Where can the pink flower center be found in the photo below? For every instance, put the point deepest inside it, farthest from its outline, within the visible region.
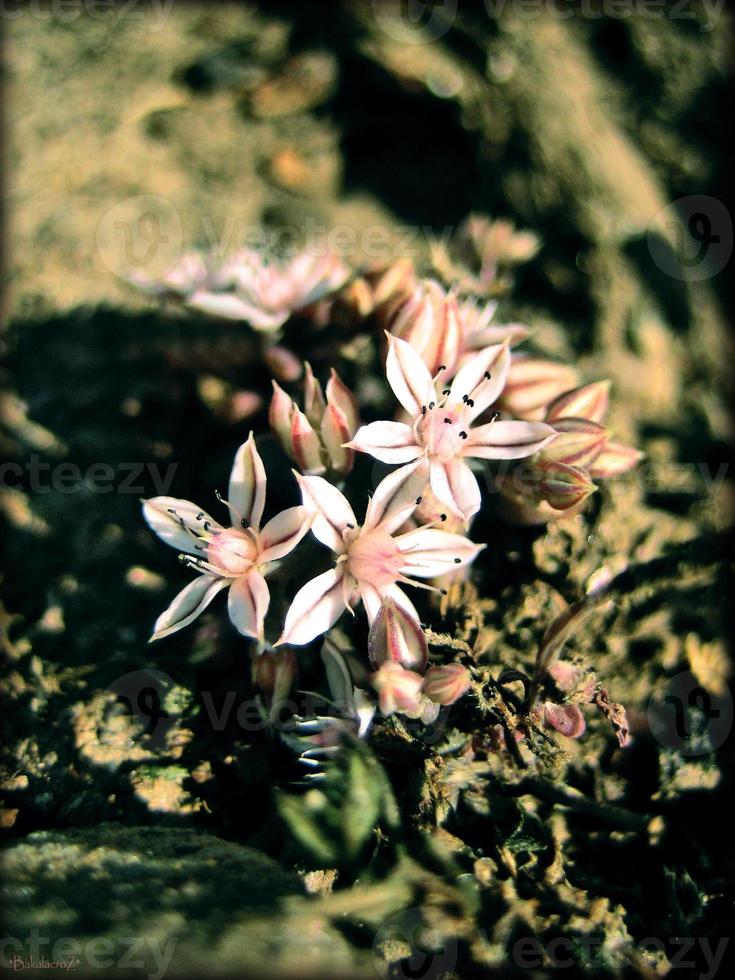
(233, 551)
(443, 431)
(374, 558)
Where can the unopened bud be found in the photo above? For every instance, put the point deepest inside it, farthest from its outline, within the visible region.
(280, 415)
(398, 690)
(577, 443)
(562, 486)
(339, 395)
(305, 445)
(565, 718)
(532, 383)
(284, 364)
(274, 674)
(335, 432)
(313, 397)
(429, 321)
(586, 402)
(396, 637)
(446, 684)
(614, 460)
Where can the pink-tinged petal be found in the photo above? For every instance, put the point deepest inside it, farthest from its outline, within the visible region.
(247, 484)
(446, 684)
(441, 489)
(247, 604)
(408, 376)
(586, 402)
(398, 689)
(397, 637)
(482, 379)
(188, 604)
(445, 336)
(164, 516)
(429, 552)
(225, 306)
(335, 432)
(316, 606)
(306, 445)
(390, 442)
(339, 395)
(532, 383)
(614, 460)
(565, 718)
(396, 497)
(578, 442)
(279, 416)
(314, 403)
(332, 513)
(282, 363)
(464, 488)
(283, 532)
(508, 440)
(506, 333)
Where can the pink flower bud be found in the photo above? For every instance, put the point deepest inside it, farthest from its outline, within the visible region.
(395, 283)
(305, 444)
(274, 674)
(396, 637)
(446, 684)
(429, 321)
(562, 486)
(335, 432)
(280, 414)
(578, 442)
(284, 364)
(398, 690)
(339, 395)
(614, 460)
(565, 718)
(313, 397)
(532, 383)
(586, 402)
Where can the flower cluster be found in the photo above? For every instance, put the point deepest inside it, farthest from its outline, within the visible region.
(464, 398)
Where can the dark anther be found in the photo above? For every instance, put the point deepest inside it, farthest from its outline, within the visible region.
(463, 435)
(418, 500)
(442, 367)
(431, 404)
(423, 409)
(442, 517)
(445, 391)
(465, 397)
(200, 515)
(245, 524)
(171, 510)
(351, 526)
(448, 421)
(488, 375)
(471, 403)
(443, 591)
(207, 525)
(457, 561)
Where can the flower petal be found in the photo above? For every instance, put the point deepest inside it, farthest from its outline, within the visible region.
(442, 490)
(164, 515)
(247, 484)
(429, 552)
(397, 637)
(614, 460)
(188, 604)
(390, 442)
(332, 513)
(283, 532)
(507, 440)
(316, 606)
(335, 431)
(482, 378)
(408, 376)
(396, 497)
(464, 488)
(248, 603)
